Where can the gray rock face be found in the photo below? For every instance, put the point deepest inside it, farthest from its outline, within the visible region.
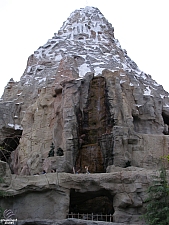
(52, 196)
(81, 92)
(65, 222)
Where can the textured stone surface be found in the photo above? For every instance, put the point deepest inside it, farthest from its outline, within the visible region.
(5, 175)
(53, 195)
(81, 92)
(65, 222)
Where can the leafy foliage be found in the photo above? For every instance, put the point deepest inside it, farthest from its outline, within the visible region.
(158, 201)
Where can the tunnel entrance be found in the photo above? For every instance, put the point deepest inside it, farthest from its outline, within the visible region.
(98, 205)
(166, 123)
(9, 144)
(93, 123)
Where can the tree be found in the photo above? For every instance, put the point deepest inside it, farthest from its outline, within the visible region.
(158, 201)
(59, 152)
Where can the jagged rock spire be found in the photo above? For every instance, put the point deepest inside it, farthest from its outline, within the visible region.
(87, 23)
(84, 44)
(89, 37)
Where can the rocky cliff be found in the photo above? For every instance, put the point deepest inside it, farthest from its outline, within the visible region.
(82, 101)
(117, 196)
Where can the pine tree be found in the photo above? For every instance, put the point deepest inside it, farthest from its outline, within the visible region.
(158, 201)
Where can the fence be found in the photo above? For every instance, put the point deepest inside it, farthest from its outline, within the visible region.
(92, 216)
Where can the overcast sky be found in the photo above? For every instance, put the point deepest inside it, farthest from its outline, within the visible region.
(141, 26)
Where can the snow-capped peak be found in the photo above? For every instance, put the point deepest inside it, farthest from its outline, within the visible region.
(86, 43)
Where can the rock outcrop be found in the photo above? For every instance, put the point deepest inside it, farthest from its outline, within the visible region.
(121, 193)
(81, 92)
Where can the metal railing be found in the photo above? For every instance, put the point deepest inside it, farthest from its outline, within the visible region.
(92, 216)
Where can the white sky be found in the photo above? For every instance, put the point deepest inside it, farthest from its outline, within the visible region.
(141, 26)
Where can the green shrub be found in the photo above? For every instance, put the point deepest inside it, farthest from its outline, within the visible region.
(158, 201)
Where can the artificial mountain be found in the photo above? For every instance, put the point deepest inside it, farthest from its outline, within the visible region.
(84, 98)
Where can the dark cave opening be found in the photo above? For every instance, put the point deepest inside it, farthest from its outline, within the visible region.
(9, 144)
(166, 123)
(136, 122)
(91, 203)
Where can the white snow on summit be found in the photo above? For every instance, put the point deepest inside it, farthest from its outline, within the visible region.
(88, 35)
(98, 70)
(83, 69)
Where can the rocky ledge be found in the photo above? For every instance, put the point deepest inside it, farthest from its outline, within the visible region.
(66, 222)
(120, 193)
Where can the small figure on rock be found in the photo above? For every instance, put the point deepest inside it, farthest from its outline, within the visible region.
(78, 171)
(51, 152)
(43, 172)
(87, 169)
(59, 152)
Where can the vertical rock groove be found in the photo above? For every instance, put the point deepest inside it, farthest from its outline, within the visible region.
(92, 125)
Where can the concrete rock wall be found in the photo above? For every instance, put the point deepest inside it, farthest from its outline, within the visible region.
(48, 196)
(68, 117)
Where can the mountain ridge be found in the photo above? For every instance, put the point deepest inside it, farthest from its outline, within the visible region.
(83, 106)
